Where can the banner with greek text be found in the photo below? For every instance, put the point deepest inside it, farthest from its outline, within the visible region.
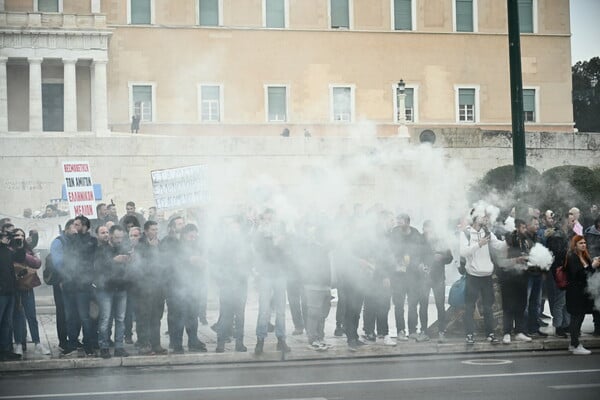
(80, 188)
(179, 187)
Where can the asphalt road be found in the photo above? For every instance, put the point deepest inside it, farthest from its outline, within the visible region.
(547, 375)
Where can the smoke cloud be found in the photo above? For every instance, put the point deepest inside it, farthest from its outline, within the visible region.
(540, 256)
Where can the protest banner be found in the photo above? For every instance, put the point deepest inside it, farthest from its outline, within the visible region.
(179, 187)
(80, 188)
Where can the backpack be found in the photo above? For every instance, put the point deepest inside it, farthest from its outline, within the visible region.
(560, 276)
(27, 278)
(50, 274)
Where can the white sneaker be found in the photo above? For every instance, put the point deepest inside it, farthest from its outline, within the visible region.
(521, 337)
(581, 351)
(388, 341)
(40, 348)
(19, 349)
(506, 339)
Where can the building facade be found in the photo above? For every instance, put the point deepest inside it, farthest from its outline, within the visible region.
(264, 67)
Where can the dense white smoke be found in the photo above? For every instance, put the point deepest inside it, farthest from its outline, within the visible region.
(594, 289)
(540, 256)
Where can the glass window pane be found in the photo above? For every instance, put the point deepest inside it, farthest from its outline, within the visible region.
(526, 16)
(210, 93)
(141, 11)
(276, 99)
(209, 12)
(466, 96)
(275, 13)
(340, 14)
(529, 99)
(402, 14)
(142, 101)
(48, 6)
(464, 15)
(342, 104)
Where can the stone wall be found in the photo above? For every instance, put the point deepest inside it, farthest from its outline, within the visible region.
(31, 164)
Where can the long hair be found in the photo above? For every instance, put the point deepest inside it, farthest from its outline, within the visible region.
(573, 247)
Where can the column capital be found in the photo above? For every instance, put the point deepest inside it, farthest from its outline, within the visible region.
(99, 62)
(69, 60)
(35, 60)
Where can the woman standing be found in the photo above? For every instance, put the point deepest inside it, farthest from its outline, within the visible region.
(579, 267)
(25, 302)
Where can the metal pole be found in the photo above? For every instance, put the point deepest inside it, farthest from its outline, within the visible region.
(516, 93)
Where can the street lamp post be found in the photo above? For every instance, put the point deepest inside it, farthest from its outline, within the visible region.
(401, 95)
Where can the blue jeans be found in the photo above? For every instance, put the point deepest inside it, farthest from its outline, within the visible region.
(7, 305)
(271, 288)
(560, 316)
(532, 315)
(25, 309)
(111, 304)
(77, 303)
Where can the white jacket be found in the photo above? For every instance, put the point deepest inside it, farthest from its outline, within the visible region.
(479, 261)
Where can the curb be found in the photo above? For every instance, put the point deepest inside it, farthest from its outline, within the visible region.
(298, 354)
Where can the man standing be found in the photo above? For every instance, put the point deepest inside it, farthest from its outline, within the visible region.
(130, 211)
(475, 245)
(536, 279)
(577, 227)
(7, 297)
(112, 281)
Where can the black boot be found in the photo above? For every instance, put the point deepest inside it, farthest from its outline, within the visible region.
(260, 343)
(239, 346)
(282, 346)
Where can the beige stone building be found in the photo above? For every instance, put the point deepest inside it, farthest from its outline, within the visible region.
(259, 67)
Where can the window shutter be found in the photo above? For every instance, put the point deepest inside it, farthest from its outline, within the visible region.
(466, 97)
(209, 12)
(340, 14)
(48, 5)
(464, 15)
(275, 10)
(526, 16)
(402, 15)
(529, 100)
(276, 98)
(409, 99)
(140, 11)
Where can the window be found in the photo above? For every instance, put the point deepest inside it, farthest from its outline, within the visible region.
(140, 12)
(467, 105)
(141, 96)
(464, 15)
(340, 14)
(48, 5)
(210, 103)
(403, 15)
(208, 12)
(342, 103)
(275, 13)
(526, 16)
(276, 103)
(409, 104)
(529, 113)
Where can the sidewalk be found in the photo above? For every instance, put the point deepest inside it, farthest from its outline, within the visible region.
(298, 344)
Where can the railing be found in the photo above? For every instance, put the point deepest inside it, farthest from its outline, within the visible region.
(51, 20)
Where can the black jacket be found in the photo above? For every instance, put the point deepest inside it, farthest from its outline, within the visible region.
(579, 300)
(110, 275)
(8, 283)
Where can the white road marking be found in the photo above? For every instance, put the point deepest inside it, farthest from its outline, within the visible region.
(298, 384)
(486, 361)
(569, 387)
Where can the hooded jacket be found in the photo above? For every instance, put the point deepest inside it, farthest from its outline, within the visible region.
(479, 261)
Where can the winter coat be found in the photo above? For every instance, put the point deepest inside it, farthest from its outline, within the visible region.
(578, 299)
(408, 250)
(110, 275)
(479, 260)
(437, 268)
(8, 282)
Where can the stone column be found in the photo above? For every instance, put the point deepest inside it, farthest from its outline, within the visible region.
(3, 96)
(70, 93)
(100, 107)
(35, 94)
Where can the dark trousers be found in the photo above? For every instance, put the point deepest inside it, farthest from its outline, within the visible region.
(149, 306)
(61, 320)
(439, 294)
(354, 303)
(476, 286)
(77, 314)
(399, 292)
(183, 313)
(377, 307)
(7, 306)
(297, 303)
(514, 300)
(318, 303)
(129, 314)
(534, 303)
(341, 306)
(575, 328)
(418, 298)
(232, 303)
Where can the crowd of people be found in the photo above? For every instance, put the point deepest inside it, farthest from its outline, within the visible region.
(112, 274)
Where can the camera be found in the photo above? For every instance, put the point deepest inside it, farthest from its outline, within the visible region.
(9, 235)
